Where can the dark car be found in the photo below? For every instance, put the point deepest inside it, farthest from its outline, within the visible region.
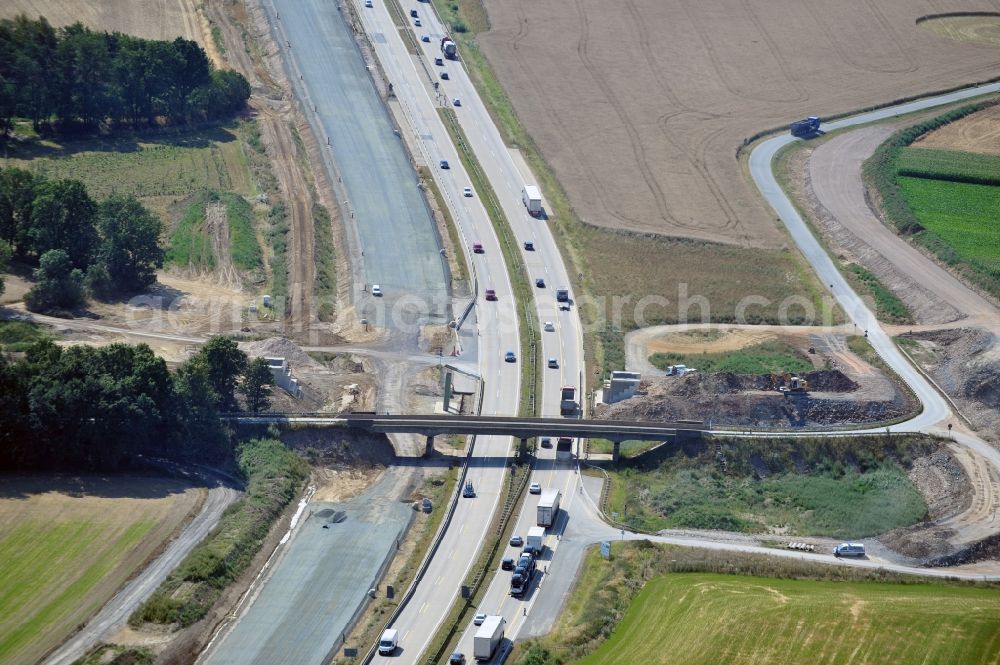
(529, 245)
(546, 442)
(540, 283)
(491, 294)
(457, 658)
(510, 357)
(444, 164)
(507, 564)
(445, 76)
(469, 491)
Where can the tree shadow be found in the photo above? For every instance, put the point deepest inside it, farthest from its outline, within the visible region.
(135, 485)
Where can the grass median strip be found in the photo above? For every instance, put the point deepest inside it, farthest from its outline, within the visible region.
(524, 297)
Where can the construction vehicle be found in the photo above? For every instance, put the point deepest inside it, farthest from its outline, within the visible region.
(448, 48)
(805, 128)
(488, 637)
(532, 200)
(788, 383)
(548, 507)
(567, 401)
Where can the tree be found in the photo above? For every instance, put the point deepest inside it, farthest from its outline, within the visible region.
(58, 285)
(225, 363)
(4, 258)
(129, 250)
(62, 217)
(200, 432)
(17, 194)
(256, 386)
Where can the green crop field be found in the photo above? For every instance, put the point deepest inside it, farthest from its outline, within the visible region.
(949, 165)
(757, 359)
(708, 618)
(66, 547)
(966, 216)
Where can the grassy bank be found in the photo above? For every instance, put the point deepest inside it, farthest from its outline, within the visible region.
(719, 608)
(189, 242)
(19, 335)
(326, 268)
(845, 488)
(274, 475)
(757, 359)
(888, 306)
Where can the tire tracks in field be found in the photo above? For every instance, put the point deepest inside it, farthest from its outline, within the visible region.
(635, 141)
(891, 33)
(841, 50)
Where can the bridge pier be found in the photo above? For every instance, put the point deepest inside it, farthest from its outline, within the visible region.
(522, 449)
(616, 450)
(429, 449)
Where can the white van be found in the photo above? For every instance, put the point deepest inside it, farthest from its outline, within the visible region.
(387, 645)
(849, 549)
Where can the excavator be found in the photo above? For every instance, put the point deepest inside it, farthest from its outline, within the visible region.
(785, 382)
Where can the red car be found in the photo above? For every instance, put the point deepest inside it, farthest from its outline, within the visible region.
(477, 248)
(491, 294)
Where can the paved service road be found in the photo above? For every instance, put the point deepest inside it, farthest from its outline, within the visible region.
(393, 222)
(317, 581)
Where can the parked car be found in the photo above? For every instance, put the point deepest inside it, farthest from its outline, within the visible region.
(376, 290)
(444, 164)
(510, 357)
(477, 248)
(490, 294)
(540, 283)
(535, 488)
(479, 619)
(516, 541)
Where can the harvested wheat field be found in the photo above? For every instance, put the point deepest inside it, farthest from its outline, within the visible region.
(68, 543)
(640, 105)
(152, 19)
(979, 132)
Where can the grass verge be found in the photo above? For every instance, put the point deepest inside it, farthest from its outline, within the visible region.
(326, 268)
(757, 359)
(274, 475)
(524, 296)
(19, 335)
(888, 306)
(243, 245)
(189, 242)
(114, 654)
(843, 488)
(601, 606)
(460, 271)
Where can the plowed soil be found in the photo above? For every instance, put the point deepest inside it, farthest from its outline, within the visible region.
(979, 132)
(640, 105)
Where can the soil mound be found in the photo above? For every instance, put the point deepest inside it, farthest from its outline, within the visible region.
(279, 347)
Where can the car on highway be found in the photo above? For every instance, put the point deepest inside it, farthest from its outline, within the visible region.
(368, 3)
(444, 164)
(477, 248)
(445, 76)
(479, 619)
(535, 488)
(469, 492)
(376, 290)
(507, 564)
(417, 23)
(456, 101)
(516, 541)
(425, 38)
(529, 245)
(540, 283)
(457, 658)
(553, 363)
(466, 191)
(439, 62)
(546, 442)
(491, 294)
(510, 357)
(413, 13)
(549, 326)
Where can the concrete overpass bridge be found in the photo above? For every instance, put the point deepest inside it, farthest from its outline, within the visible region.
(430, 426)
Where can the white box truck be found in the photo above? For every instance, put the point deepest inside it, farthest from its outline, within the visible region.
(532, 200)
(536, 540)
(488, 637)
(548, 507)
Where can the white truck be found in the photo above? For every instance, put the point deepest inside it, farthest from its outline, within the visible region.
(532, 200)
(388, 642)
(535, 542)
(548, 507)
(488, 637)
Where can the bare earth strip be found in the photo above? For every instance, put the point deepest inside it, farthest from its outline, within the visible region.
(835, 172)
(640, 105)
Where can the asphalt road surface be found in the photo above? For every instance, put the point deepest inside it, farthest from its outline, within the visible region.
(393, 222)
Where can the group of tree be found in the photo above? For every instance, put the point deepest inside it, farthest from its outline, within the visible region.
(75, 75)
(111, 248)
(92, 408)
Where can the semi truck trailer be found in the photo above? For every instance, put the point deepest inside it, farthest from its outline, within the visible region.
(532, 200)
(548, 507)
(488, 638)
(567, 401)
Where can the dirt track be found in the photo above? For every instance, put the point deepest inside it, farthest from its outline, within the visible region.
(934, 294)
(640, 105)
